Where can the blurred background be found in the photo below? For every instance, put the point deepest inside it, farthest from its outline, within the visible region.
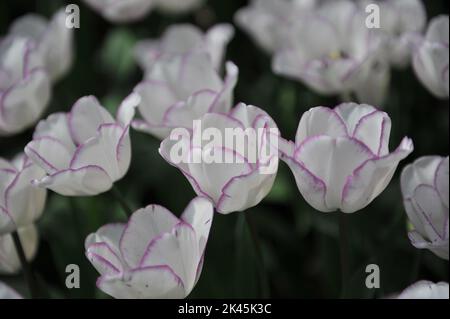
(300, 245)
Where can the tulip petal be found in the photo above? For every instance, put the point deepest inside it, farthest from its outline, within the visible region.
(441, 181)
(372, 177)
(179, 250)
(49, 153)
(199, 214)
(352, 113)
(55, 126)
(103, 258)
(89, 180)
(110, 150)
(86, 116)
(422, 171)
(147, 223)
(374, 131)
(158, 282)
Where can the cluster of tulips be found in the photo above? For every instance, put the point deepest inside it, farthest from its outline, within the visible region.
(340, 157)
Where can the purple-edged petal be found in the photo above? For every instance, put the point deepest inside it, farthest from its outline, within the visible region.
(426, 290)
(441, 181)
(422, 171)
(84, 181)
(371, 178)
(320, 121)
(352, 113)
(103, 258)
(374, 130)
(156, 282)
(110, 150)
(144, 226)
(55, 126)
(179, 250)
(49, 153)
(85, 118)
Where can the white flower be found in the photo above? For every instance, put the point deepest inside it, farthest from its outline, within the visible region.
(430, 59)
(155, 255)
(24, 85)
(53, 40)
(236, 184)
(180, 89)
(7, 292)
(400, 22)
(21, 203)
(9, 260)
(183, 38)
(269, 22)
(124, 11)
(340, 158)
(333, 58)
(425, 290)
(83, 152)
(425, 196)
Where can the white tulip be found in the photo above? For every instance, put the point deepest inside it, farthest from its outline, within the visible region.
(21, 203)
(336, 56)
(24, 85)
(85, 151)
(9, 260)
(431, 57)
(178, 90)
(183, 38)
(53, 40)
(425, 196)
(155, 255)
(7, 292)
(425, 290)
(340, 158)
(125, 11)
(241, 182)
(269, 22)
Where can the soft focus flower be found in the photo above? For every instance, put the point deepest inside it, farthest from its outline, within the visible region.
(132, 10)
(183, 38)
(180, 89)
(425, 290)
(431, 56)
(21, 203)
(155, 255)
(336, 56)
(400, 22)
(24, 85)
(9, 260)
(53, 40)
(269, 22)
(7, 292)
(83, 152)
(425, 195)
(340, 158)
(236, 184)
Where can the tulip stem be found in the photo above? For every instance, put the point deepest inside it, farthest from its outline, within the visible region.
(264, 279)
(28, 274)
(122, 201)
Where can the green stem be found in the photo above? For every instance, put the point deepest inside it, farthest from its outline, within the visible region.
(344, 256)
(122, 201)
(28, 274)
(264, 279)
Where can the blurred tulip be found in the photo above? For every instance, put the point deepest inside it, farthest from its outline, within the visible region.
(24, 85)
(340, 158)
(132, 10)
(269, 22)
(431, 56)
(9, 260)
(184, 38)
(245, 180)
(7, 292)
(21, 203)
(155, 255)
(425, 290)
(83, 152)
(336, 56)
(181, 89)
(53, 40)
(425, 195)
